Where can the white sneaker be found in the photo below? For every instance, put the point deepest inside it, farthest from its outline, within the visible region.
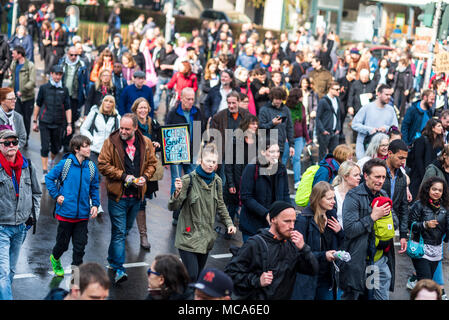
(43, 178)
(444, 297)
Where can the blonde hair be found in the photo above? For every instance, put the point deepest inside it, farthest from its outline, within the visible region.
(319, 192)
(344, 171)
(207, 73)
(101, 109)
(210, 148)
(110, 85)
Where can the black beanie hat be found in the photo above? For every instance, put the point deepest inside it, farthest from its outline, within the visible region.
(278, 206)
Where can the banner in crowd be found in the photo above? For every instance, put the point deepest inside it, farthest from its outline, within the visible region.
(423, 39)
(442, 61)
(176, 144)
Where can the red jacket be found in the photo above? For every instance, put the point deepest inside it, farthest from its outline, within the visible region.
(182, 82)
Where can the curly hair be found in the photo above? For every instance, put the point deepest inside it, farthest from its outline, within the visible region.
(424, 190)
(176, 278)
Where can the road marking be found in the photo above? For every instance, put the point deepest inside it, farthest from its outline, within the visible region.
(222, 256)
(290, 171)
(132, 265)
(24, 276)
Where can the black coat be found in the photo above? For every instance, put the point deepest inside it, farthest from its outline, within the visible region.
(420, 213)
(283, 258)
(325, 116)
(258, 193)
(360, 240)
(5, 54)
(424, 155)
(306, 225)
(358, 88)
(259, 99)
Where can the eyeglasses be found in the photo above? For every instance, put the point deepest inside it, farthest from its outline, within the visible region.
(153, 272)
(10, 143)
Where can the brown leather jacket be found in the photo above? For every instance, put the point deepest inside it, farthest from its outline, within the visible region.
(111, 164)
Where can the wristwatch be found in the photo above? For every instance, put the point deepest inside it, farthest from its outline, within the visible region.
(34, 121)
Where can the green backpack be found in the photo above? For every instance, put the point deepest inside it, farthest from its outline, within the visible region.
(384, 231)
(305, 186)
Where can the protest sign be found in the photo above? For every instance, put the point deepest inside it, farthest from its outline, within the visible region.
(176, 144)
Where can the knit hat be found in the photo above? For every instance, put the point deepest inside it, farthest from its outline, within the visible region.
(278, 206)
(355, 50)
(381, 201)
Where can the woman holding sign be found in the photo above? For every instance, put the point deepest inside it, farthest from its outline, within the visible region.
(151, 129)
(199, 196)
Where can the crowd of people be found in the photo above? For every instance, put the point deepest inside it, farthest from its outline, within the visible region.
(381, 137)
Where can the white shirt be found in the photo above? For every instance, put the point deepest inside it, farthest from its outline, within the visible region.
(223, 104)
(335, 106)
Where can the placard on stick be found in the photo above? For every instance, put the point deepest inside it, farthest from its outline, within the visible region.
(176, 144)
(442, 62)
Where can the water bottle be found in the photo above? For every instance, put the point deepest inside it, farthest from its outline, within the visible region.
(343, 256)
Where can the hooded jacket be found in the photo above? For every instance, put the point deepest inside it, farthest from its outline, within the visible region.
(15, 211)
(78, 188)
(283, 258)
(258, 193)
(411, 125)
(328, 170)
(27, 79)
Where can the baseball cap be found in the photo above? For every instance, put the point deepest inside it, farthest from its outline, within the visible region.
(7, 133)
(139, 74)
(214, 283)
(57, 69)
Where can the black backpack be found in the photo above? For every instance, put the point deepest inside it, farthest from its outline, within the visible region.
(94, 128)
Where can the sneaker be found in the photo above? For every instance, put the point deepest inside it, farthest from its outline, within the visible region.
(120, 276)
(43, 178)
(411, 282)
(57, 267)
(444, 297)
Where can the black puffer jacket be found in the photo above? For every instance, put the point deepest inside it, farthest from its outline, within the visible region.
(420, 213)
(282, 257)
(53, 103)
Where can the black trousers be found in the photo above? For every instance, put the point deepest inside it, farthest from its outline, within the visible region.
(78, 233)
(327, 144)
(51, 138)
(194, 263)
(424, 268)
(25, 108)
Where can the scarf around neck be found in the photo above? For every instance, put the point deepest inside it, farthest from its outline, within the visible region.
(207, 177)
(16, 166)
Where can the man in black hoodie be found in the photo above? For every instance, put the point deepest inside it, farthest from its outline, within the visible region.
(264, 267)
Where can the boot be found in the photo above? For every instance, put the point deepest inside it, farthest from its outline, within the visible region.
(142, 226)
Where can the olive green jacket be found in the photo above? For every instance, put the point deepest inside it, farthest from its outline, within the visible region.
(27, 79)
(195, 230)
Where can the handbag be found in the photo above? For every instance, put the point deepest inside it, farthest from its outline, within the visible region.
(415, 250)
(159, 173)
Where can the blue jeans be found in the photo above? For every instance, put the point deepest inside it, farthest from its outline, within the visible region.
(11, 239)
(176, 172)
(383, 292)
(323, 292)
(300, 142)
(158, 94)
(122, 215)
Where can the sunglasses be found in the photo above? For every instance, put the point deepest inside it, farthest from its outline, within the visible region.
(153, 272)
(73, 55)
(10, 143)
